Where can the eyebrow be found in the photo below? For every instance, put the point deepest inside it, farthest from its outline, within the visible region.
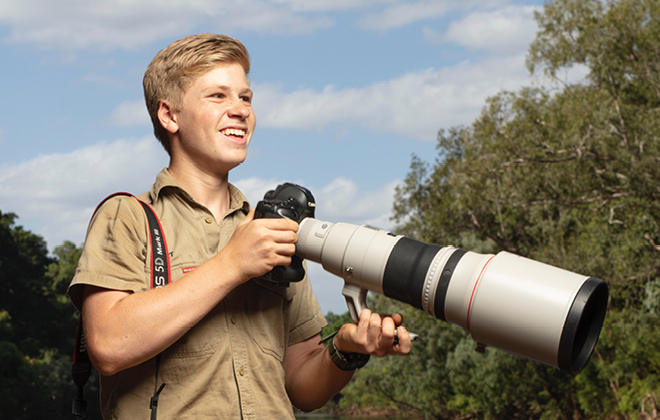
(247, 90)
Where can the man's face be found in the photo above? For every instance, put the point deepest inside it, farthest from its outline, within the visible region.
(216, 121)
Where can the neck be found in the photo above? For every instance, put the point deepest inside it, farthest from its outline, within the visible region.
(209, 189)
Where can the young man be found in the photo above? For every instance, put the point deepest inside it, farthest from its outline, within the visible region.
(231, 346)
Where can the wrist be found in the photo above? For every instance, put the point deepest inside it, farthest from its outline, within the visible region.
(346, 361)
(224, 262)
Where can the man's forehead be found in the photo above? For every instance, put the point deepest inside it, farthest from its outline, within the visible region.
(226, 75)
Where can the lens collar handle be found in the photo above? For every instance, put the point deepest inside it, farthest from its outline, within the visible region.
(356, 300)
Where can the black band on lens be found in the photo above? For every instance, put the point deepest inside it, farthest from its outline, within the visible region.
(443, 283)
(583, 325)
(406, 268)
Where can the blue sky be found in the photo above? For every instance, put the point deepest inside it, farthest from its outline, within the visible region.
(346, 91)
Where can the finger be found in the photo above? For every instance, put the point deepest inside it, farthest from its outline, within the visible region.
(361, 333)
(404, 342)
(365, 316)
(285, 250)
(280, 224)
(374, 335)
(284, 237)
(375, 323)
(397, 318)
(387, 333)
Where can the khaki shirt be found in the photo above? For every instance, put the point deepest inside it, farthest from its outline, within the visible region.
(231, 364)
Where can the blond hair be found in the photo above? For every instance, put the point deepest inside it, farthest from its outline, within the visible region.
(176, 67)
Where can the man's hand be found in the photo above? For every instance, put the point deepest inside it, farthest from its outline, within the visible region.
(259, 245)
(312, 378)
(374, 334)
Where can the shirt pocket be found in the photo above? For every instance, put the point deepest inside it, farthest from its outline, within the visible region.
(268, 317)
(202, 339)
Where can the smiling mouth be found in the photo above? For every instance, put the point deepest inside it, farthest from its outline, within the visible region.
(233, 132)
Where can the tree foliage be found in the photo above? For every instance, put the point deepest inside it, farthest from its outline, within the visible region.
(37, 325)
(569, 176)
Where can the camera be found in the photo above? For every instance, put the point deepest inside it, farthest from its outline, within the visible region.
(292, 202)
(524, 307)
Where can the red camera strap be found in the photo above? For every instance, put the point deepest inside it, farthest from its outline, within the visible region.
(160, 276)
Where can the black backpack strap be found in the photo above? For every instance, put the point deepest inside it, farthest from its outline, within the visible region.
(80, 370)
(160, 276)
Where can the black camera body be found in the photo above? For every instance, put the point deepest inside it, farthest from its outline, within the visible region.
(292, 202)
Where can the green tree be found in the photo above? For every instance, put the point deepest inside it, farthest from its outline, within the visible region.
(37, 325)
(569, 176)
(58, 277)
(23, 263)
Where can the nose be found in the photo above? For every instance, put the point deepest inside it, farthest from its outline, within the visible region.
(239, 109)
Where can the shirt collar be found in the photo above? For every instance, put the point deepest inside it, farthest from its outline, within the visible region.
(165, 180)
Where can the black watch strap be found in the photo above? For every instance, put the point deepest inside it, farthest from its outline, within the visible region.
(346, 361)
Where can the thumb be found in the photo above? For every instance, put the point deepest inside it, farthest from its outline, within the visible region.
(249, 217)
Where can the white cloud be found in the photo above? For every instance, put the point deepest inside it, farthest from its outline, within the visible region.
(54, 195)
(343, 201)
(124, 24)
(414, 105)
(403, 13)
(130, 113)
(254, 188)
(503, 31)
(127, 24)
(331, 5)
(400, 13)
(78, 23)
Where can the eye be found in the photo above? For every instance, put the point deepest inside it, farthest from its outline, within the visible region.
(218, 95)
(247, 99)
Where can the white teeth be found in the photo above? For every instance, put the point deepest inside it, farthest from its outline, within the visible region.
(233, 132)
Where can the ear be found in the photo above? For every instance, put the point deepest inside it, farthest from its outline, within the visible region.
(168, 117)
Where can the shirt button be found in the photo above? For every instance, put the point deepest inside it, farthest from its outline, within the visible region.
(208, 219)
(241, 372)
(233, 320)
